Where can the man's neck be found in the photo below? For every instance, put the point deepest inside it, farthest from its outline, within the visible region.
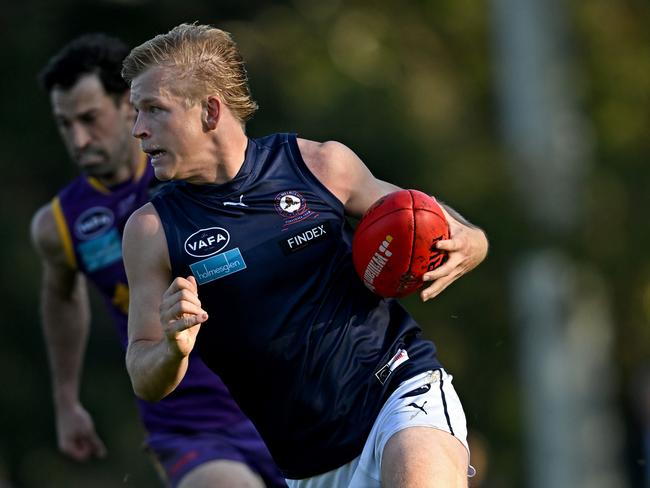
(231, 153)
(224, 160)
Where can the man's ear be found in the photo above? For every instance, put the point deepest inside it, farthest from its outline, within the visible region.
(211, 113)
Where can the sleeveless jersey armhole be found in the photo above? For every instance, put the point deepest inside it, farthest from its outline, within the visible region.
(166, 217)
(64, 232)
(309, 177)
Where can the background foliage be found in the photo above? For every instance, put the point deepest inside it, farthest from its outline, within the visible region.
(410, 86)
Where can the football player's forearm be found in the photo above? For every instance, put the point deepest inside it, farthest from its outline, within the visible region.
(65, 325)
(154, 369)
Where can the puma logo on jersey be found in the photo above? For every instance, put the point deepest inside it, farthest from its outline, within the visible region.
(240, 203)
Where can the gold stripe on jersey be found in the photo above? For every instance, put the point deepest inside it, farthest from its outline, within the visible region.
(121, 298)
(64, 232)
(98, 185)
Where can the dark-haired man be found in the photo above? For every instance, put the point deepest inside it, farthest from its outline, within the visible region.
(198, 435)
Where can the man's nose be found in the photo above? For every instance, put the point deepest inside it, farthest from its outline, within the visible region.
(139, 129)
(80, 136)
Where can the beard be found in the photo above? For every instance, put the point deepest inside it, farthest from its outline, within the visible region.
(97, 164)
(99, 171)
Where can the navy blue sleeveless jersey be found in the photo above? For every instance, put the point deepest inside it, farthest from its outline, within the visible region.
(308, 353)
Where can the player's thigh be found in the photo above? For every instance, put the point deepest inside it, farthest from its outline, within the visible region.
(424, 457)
(221, 474)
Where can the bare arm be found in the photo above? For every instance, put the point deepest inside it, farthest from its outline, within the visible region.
(65, 316)
(348, 178)
(164, 318)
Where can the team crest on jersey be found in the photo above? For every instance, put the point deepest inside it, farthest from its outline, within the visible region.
(93, 222)
(206, 242)
(293, 207)
(290, 203)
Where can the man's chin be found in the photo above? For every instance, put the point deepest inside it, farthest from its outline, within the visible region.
(162, 175)
(97, 171)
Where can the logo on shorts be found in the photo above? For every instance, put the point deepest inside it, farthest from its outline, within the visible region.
(206, 242)
(93, 222)
(418, 407)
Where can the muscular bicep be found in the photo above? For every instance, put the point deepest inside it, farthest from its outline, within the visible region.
(146, 261)
(344, 174)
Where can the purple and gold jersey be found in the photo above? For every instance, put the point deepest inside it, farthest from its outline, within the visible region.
(90, 219)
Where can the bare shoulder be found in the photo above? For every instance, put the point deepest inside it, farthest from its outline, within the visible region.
(334, 164)
(144, 222)
(143, 228)
(344, 174)
(144, 238)
(45, 235)
(322, 152)
(328, 159)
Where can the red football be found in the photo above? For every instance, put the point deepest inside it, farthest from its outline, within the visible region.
(394, 244)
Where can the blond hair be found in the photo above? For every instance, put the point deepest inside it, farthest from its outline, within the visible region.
(205, 57)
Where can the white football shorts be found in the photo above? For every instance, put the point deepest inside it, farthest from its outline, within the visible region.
(426, 400)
